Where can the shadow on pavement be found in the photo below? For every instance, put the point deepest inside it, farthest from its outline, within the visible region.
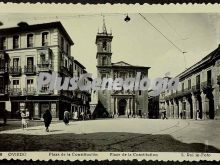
(103, 141)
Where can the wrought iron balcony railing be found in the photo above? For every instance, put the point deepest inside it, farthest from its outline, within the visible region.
(45, 91)
(66, 70)
(15, 91)
(3, 69)
(206, 85)
(30, 69)
(29, 91)
(15, 70)
(44, 66)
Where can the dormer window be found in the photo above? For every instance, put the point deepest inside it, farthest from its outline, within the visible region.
(30, 40)
(15, 42)
(45, 38)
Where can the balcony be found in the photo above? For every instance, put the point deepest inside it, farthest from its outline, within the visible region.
(15, 92)
(30, 70)
(3, 69)
(187, 91)
(29, 91)
(45, 91)
(196, 88)
(3, 91)
(4, 60)
(15, 71)
(206, 86)
(67, 71)
(45, 67)
(66, 93)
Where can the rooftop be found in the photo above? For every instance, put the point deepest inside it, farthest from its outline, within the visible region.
(207, 60)
(24, 27)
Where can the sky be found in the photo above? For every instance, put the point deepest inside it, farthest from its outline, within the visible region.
(137, 42)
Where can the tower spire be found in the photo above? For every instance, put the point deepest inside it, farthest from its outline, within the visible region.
(104, 29)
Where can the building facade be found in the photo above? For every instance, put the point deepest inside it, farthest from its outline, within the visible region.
(119, 102)
(27, 50)
(198, 94)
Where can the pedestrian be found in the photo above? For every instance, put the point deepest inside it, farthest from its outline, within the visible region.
(197, 114)
(47, 119)
(181, 115)
(24, 119)
(165, 114)
(66, 117)
(82, 115)
(76, 115)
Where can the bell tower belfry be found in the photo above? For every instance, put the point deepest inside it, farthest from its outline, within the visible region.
(103, 43)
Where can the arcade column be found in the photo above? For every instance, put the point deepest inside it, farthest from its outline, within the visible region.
(175, 109)
(204, 106)
(180, 108)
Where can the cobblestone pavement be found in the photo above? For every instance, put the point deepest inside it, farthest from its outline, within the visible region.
(124, 135)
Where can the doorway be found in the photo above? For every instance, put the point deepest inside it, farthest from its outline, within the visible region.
(122, 106)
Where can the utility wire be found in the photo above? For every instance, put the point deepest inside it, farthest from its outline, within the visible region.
(161, 33)
(183, 52)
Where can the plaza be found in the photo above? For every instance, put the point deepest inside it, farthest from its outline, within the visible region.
(120, 134)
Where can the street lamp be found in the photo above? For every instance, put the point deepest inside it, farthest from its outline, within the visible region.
(127, 18)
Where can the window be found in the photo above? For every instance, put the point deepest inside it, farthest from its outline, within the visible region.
(30, 61)
(62, 43)
(2, 43)
(70, 67)
(104, 45)
(42, 58)
(189, 84)
(15, 62)
(66, 63)
(30, 40)
(209, 77)
(104, 61)
(1, 83)
(15, 42)
(30, 83)
(197, 81)
(44, 38)
(139, 92)
(30, 64)
(67, 49)
(182, 87)
(15, 84)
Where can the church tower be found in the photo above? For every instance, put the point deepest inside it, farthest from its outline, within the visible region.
(103, 56)
(103, 43)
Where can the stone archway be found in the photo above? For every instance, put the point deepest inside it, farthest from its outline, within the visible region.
(211, 111)
(122, 106)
